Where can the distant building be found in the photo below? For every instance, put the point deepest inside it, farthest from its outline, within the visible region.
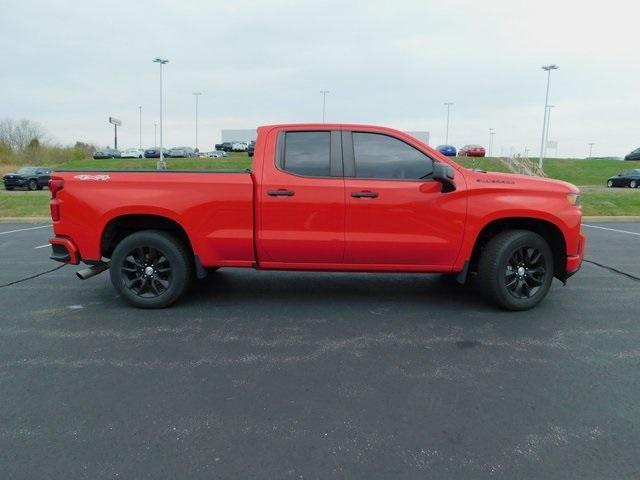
(422, 136)
(241, 135)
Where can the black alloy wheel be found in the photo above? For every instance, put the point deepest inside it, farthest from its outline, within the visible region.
(151, 268)
(525, 272)
(146, 271)
(516, 268)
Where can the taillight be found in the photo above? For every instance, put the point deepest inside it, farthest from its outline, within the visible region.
(55, 185)
(54, 205)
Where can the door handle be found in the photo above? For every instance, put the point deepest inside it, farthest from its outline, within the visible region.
(281, 193)
(364, 194)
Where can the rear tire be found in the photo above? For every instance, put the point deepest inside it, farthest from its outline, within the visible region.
(33, 185)
(516, 269)
(633, 184)
(151, 269)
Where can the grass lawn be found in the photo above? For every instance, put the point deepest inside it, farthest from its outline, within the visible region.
(578, 172)
(618, 201)
(234, 161)
(24, 204)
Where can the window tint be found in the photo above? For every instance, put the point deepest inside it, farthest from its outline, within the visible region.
(307, 153)
(381, 156)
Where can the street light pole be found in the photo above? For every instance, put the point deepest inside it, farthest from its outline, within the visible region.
(546, 68)
(492, 132)
(446, 138)
(546, 141)
(324, 104)
(140, 126)
(197, 94)
(591, 149)
(161, 165)
(155, 134)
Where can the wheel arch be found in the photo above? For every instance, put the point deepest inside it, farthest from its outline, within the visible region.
(548, 230)
(121, 226)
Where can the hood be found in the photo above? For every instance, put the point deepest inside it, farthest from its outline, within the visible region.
(516, 181)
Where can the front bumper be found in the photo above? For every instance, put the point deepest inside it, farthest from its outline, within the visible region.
(64, 250)
(14, 182)
(574, 262)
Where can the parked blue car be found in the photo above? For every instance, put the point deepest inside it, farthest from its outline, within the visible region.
(447, 150)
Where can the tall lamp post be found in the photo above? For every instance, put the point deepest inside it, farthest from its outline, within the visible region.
(155, 134)
(546, 139)
(492, 132)
(546, 68)
(324, 104)
(446, 138)
(197, 94)
(161, 165)
(140, 126)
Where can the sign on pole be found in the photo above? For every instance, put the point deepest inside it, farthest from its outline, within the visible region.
(116, 123)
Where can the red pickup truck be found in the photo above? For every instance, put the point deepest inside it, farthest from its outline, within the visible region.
(320, 197)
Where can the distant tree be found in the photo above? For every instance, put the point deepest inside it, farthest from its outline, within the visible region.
(87, 148)
(20, 134)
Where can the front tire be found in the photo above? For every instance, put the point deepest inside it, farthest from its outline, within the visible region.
(33, 185)
(610, 184)
(516, 269)
(151, 269)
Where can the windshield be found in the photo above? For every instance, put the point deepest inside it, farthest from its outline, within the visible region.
(27, 170)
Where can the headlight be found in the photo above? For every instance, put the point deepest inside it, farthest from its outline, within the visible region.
(574, 199)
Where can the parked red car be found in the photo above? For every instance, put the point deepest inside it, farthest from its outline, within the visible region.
(320, 197)
(471, 151)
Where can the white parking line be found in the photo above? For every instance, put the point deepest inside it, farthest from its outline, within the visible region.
(43, 246)
(24, 229)
(612, 229)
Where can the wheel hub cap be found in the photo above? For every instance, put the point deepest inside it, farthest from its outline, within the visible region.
(526, 272)
(146, 272)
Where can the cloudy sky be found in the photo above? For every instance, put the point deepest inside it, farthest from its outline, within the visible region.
(70, 64)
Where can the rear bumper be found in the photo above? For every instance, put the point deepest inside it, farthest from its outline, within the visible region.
(64, 250)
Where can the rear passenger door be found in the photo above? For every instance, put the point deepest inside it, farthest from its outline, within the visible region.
(301, 201)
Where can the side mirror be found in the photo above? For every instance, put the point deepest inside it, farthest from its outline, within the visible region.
(444, 174)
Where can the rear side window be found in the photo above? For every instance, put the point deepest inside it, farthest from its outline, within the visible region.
(307, 153)
(381, 156)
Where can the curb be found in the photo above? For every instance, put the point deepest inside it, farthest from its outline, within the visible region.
(25, 219)
(612, 218)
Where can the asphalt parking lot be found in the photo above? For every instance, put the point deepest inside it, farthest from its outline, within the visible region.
(304, 375)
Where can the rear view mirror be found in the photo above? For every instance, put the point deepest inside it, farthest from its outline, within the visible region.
(444, 174)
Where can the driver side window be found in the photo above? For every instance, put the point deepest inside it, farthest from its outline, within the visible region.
(382, 156)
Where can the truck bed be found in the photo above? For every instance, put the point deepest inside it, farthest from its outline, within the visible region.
(214, 208)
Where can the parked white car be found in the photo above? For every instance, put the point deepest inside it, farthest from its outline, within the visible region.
(216, 154)
(132, 153)
(239, 146)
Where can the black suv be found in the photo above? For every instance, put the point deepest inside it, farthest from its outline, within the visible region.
(33, 178)
(224, 146)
